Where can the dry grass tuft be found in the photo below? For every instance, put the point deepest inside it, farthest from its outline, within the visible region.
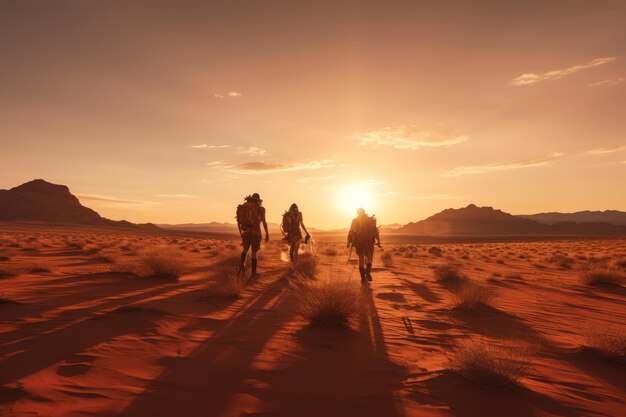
(330, 252)
(329, 302)
(471, 295)
(163, 262)
(387, 259)
(607, 341)
(304, 267)
(595, 276)
(448, 273)
(435, 251)
(491, 365)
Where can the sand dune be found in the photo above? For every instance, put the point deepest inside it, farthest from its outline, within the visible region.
(84, 332)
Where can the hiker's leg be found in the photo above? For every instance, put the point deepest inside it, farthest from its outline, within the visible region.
(368, 267)
(295, 248)
(246, 247)
(362, 266)
(256, 245)
(254, 262)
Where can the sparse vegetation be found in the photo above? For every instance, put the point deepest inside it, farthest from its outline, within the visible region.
(471, 295)
(304, 267)
(163, 262)
(328, 302)
(330, 252)
(387, 259)
(595, 276)
(448, 273)
(490, 364)
(435, 251)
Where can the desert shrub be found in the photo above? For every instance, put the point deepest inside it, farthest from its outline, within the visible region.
(102, 259)
(228, 283)
(304, 267)
(594, 276)
(409, 255)
(471, 295)
(448, 273)
(387, 259)
(435, 251)
(607, 340)
(328, 302)
(230, 246)
(163, 262)
(491, 365)
(330, 252)
(91, 248)
(75, 244)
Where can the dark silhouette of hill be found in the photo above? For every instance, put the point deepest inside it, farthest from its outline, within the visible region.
(41, 201)
(606, 216)
(487, 221)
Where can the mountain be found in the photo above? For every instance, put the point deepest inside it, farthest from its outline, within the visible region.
(487, 221)
(606, 216)
(39, 200)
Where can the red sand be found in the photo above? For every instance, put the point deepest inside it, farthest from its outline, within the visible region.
(66, 351)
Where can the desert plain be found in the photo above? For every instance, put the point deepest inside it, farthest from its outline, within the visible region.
(99, 321)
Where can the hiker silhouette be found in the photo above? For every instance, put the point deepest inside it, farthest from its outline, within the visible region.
(292, 221)
(250, 215)
(362, 236)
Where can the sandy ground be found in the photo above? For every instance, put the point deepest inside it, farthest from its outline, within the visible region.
(77, 339)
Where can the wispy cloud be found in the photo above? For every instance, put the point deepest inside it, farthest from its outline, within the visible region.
(600, 151)
(231, 94)
(610, 81)
(411, 137)
(502, 166)
(176, 196)
(272, 167)
(205, 146)
(252, 151)
(532, 78)
(111, 201)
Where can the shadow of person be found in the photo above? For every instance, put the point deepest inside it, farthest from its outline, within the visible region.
(336, 372)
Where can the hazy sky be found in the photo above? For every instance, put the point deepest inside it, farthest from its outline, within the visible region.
(173, 111)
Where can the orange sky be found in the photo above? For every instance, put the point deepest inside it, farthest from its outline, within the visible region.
(172, 113)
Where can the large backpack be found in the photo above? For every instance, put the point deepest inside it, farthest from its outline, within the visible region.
(365, 230)
(290, 223)
(248, 215)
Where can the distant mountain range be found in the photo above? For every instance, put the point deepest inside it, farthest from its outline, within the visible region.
(606, 216)
(41, 201)
(487, 221)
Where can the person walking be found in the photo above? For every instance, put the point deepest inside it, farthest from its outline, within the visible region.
(362, 236)
(292, 222)
(250, 216)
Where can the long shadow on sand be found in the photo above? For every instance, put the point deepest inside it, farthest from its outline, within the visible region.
(467, 399)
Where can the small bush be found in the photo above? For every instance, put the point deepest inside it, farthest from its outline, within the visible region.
(491, 365)
(607, 340)
(330, 302)
(387, 259)
(435, 251)
(471, 295)
(330, 252)
(163, 262)
(596, 276)
(448, 273)
(304, 267)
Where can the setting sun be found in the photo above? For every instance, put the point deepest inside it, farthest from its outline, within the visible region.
(353, 196)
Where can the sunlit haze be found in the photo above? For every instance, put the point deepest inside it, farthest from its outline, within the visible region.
(172, 114)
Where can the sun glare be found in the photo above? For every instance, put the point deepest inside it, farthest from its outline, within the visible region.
(353, 196)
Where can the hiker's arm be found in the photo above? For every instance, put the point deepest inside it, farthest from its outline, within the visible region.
(267, 234)
(303, 226)
(378, 237)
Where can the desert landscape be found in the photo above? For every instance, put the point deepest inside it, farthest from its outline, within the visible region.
(244, 208)
(107, 322)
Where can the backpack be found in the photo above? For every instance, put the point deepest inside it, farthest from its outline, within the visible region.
(248, 215)
(290, 223)
(365, 230)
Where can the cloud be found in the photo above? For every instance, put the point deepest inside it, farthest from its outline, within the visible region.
(110, 201)
(218, 95)
(600, 151)
(531, 78)
(502, 166)
(205, 146)
(252, 151)
(610, 81)
(230, 94)
(234, 94)
(411, 137)
(272, 167)
(176, 196)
